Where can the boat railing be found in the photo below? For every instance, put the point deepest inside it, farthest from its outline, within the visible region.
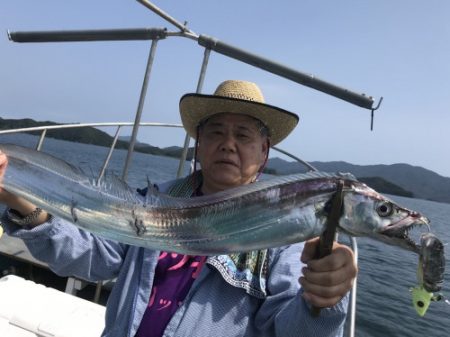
(119, 126)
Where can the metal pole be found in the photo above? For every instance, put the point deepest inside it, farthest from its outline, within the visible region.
(108, 157)
(187, 139)
(137, 120)
(308, 80)
(308, 165)
(89, 35)
(276, 68)
(353, 292)
(164, 15)
(41, 140)
(98, 291)
(80, 125)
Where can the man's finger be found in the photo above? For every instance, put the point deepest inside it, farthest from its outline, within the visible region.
(327, 278)
(325, 292)
(340, 256)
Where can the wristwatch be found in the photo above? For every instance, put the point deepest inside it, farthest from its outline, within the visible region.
(24, 221)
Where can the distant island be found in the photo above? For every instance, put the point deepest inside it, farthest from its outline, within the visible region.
(90, 135)
(397, 179)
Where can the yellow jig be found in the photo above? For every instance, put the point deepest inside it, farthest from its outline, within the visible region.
(421, 299)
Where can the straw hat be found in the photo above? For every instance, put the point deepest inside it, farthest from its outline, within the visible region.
(236, 97)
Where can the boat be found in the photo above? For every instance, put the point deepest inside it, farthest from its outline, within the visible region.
(18, 251)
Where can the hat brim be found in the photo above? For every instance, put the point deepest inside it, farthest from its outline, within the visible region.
(196, 107)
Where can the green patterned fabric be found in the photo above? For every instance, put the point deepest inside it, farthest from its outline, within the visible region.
(243, 270)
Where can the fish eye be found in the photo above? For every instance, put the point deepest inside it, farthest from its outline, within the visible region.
(385, 209)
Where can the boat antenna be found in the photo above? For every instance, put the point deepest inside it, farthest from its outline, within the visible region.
(167, 17)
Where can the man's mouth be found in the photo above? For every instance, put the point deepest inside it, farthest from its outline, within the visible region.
(226, 162)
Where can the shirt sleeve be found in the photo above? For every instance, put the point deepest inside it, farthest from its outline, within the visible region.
(70, 251)
(285, 312)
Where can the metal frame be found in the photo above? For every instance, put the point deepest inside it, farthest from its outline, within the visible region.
(209, 43)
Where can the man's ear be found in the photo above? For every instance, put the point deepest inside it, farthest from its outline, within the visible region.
(265, 149)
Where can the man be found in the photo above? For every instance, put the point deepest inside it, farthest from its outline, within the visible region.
(261, 293)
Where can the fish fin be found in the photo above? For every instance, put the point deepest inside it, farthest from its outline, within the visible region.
(92, 173)
(151, 188)
(275, 182)
(114, 185)
(152, 195)
(73, 211)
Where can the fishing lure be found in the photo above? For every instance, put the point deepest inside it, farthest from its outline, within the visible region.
(430, 273)
(422, 298)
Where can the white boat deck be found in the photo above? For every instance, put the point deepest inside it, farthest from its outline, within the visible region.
(28, 309)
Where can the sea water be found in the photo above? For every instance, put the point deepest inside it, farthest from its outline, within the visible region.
(386, 273)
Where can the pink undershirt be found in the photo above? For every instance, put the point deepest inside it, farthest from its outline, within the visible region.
(174, 276)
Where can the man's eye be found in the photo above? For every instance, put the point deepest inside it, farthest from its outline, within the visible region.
(215, 132)
(243, 136)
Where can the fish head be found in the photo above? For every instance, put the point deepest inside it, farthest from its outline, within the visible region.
(368, 213)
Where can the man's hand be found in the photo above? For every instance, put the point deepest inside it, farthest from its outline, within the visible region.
(325, 281)
(4, 195)
(15, 202)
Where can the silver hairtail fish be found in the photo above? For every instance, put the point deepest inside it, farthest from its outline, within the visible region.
(276, 212)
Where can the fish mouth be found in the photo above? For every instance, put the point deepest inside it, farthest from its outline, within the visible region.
(407, 232)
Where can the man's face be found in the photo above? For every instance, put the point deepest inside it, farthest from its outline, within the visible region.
(231, 151)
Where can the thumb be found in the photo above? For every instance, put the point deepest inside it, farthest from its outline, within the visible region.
(310, 250)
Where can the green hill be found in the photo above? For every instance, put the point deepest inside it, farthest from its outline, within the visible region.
(397, 179)
(383, 186)
(85, 135)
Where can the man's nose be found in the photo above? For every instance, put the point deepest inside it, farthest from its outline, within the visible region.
(228, 143)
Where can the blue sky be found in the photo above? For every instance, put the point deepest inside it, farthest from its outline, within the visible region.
(396, 49)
